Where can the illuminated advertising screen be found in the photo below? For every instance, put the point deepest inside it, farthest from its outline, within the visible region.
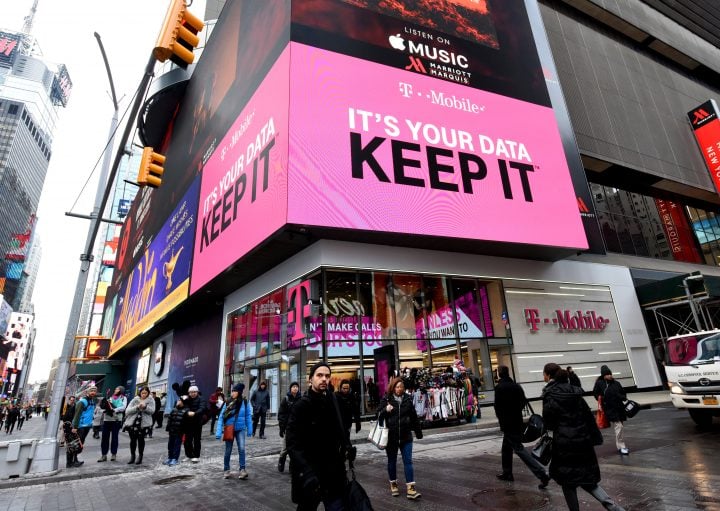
(61, 86)
(17, 337)
(398, 127)
(706, 127)
(243, 197)
(160, 280)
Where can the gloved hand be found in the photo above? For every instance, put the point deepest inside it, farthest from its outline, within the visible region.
(282, 432)
(419, 434)
(351, 453)
(357, 427)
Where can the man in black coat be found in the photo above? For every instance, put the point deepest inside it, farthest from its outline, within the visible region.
(196, 409)
(317, 447)
(509, 403)
(613, 404)
(260, 401)
(349, 407)
(292, 397)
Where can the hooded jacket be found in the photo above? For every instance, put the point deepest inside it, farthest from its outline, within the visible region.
(260, 401)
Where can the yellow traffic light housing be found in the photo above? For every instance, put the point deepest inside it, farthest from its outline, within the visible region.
(151, 168)
(178, 36)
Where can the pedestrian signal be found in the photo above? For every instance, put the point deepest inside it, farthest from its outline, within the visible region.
(97, 347)
(151, 168)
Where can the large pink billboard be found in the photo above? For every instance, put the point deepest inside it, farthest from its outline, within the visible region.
(382, 149)
(243, 195)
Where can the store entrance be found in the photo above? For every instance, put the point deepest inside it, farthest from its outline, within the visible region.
(483, 360)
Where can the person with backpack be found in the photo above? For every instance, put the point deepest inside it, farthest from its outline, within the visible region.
(238, 413)
(613, 404)
(84, 413)
(292, 397)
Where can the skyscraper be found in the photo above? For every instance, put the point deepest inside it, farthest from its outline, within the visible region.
(31, 93)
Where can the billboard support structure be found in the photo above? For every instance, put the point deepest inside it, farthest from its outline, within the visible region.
(46, 455)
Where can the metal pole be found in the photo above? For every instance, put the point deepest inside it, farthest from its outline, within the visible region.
(46, 454)
(691, 302)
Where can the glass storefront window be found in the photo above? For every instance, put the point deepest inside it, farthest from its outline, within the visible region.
(345, 319)
(303, 315)
(407, 299)
(375, 301)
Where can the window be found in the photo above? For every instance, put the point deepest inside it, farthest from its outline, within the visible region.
(12, 110)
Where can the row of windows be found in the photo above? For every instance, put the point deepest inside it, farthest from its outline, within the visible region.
(12, 110)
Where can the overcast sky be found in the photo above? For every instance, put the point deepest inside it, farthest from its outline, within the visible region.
(64, 31)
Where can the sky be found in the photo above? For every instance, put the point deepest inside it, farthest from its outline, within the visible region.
(64, 32)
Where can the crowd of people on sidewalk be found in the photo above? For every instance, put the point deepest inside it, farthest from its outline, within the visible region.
(13, 415)
(316, 425)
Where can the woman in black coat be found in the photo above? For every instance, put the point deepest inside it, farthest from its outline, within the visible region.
(613, 404)
(575, 434)
(397, 412)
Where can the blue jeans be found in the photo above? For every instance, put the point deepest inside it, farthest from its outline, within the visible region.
(240, 440)
(406, 452)
(109, 439)
(174, 445)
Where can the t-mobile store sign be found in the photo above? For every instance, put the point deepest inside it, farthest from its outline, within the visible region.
(566, 320)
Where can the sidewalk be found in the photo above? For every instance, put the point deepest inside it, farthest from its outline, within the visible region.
(212, 449)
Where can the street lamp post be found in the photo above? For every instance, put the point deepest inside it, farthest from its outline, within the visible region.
(45, 460)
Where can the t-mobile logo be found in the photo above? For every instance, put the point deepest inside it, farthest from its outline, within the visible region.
(298, 298)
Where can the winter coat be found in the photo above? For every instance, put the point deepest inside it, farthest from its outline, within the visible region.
(401, 421)
(349, 409)
(260, 401)
(198, 406)
(175, 421)
(315, 443)
(575, 433)
(213, 400)
(613, 398)
(133, 409)
(240, 419)
(84, 412)
(509, 403)
(69, 414)
(284, 411)
(118, 404)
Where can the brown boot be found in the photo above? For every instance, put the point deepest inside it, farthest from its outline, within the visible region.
(412, 493)
(394, 490)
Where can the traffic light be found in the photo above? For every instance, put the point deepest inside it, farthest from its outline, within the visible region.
(178, 36)
(97, 347)
(151, 168)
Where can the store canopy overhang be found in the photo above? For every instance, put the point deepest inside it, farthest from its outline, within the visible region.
(673, 289)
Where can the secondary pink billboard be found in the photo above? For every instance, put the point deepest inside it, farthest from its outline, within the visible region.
(243, 195)
(382, 149)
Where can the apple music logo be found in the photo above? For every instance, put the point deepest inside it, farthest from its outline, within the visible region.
(397, 42)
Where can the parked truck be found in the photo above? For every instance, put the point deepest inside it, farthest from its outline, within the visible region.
(692, 367)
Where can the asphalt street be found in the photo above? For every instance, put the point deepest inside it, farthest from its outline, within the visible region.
(672, 466)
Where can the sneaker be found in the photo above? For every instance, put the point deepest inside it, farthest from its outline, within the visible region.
(102, 459)
(172, 463)
(226, 474)
(505, 477)
(195, 460)
(113, 457)
(78, 464)
(243, 474)
(624, 451)
(166, 462)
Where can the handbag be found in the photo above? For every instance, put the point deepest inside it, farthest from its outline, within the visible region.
(355, 497)
(378, 435)
(542, 451)
(228, 432)
(534, 427)
(631, 408)
(600, 418)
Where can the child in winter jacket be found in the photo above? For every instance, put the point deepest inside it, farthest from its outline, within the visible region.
(174, 428)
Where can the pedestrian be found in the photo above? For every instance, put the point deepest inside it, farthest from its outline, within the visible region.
(84, 412)
(163, 404)
(373, 393)
(20, 419)
(97, 421)
(215, 403)
(114, 411)
(349, 407)
(575, 434)
(237, 412)
(138, 421)
(397, 412)
(613, 404)
(11, 418)
(292, 397)
(509, 403)
(260, 402)
(192, 426)
(175, 431)
(573, 378)
(315, 444)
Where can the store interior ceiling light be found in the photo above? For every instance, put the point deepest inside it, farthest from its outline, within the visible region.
(571, 288)
(550, 355)
(611, 353)
(590, 342)
(540, 293)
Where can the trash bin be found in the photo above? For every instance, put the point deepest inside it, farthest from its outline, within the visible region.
(15, 457)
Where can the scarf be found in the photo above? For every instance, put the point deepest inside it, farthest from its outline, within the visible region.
(232, 408)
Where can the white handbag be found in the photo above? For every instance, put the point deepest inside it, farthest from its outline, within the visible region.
(378, 435)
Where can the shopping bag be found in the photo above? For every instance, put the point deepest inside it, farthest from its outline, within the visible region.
(542, 451)
(355, 497)
(631, 408)
(378, 435)
(600, 418)
(533, 427)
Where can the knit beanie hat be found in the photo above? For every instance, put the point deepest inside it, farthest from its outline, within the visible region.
(238, 387)
(605, 370)
(294, 384)
(316, 366)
